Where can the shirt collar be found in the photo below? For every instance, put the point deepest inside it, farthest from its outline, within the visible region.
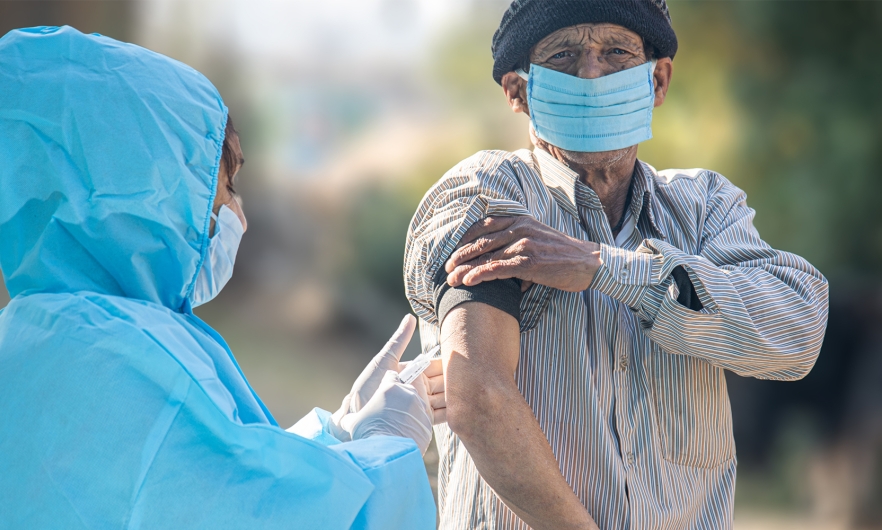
(570, 192)
(643, 201)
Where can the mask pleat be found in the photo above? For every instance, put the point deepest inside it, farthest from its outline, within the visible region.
(591, 115)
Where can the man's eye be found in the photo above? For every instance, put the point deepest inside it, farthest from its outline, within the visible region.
(618, 51)
(561, 55)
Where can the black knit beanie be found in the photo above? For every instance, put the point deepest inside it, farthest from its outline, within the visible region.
(526, 22)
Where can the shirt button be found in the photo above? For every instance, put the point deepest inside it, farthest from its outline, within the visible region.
(630, 458)
(623, 363)
(624, 272)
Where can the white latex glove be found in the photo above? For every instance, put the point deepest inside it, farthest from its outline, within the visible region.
(396, 409)
(368, 382)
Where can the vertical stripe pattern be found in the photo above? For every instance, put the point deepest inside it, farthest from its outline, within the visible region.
(627, 384)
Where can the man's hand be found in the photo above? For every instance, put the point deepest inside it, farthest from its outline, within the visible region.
(433, 379)
(521, 247)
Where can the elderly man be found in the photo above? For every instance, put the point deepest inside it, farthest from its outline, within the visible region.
(588, 304)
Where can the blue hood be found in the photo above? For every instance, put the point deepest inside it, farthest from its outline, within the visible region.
(110, 155)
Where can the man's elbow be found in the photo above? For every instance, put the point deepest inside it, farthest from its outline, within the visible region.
(790, 365)
(800, 356)
(469, 409)
(795, 371)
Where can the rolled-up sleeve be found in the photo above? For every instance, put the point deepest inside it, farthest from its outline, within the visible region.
(763, 311)
(484, 185)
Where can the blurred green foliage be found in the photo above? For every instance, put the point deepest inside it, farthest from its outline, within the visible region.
(800, 84)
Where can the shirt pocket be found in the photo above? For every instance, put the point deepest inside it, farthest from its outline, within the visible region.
(692, 410)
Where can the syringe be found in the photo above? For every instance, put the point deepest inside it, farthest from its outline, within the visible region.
(417, 366)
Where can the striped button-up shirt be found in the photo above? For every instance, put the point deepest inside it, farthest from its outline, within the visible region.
(626, 383)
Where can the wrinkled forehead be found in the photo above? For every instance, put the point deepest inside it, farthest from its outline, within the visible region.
(589, 35)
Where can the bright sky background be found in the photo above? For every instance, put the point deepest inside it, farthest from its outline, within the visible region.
(325, 32)
(325, 76)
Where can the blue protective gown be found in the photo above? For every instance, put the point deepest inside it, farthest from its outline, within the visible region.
(118, 407)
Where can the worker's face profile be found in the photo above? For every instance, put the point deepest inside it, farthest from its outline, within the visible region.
(227, 179)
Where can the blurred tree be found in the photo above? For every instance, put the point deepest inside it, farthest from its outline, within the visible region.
(806, 74)
(798, 82)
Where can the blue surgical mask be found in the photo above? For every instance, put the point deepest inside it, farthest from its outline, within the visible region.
(217, 268)
(591, 115)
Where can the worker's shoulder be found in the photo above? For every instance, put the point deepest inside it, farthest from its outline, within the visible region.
(81, 329)
(105, 324)
(85, 310)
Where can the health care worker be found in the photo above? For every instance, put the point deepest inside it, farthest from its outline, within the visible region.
(121, 409)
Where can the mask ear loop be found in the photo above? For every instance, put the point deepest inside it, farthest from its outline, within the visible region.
(652, 64)
(215, 226)
(526, 77)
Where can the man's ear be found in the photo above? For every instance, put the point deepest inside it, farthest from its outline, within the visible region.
(515, 89)
(661, 78)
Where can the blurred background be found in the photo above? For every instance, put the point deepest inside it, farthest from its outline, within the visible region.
(350, 109)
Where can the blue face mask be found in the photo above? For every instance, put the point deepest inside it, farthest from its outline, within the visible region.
(591, 115)
(217, 269)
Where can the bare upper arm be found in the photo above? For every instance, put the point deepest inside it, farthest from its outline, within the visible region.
(480, 347)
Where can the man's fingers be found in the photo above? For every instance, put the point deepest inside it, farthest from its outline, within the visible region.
(498, 247)
(495, 270)
(436, 384)
(439, 416)
(400, 339)
(435, 368)
(438, 401)
(455, 278)
(486, 225)
(481, 246)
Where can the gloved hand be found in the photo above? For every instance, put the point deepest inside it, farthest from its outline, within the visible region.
(367, 384)
(396, 409)
(369, 381)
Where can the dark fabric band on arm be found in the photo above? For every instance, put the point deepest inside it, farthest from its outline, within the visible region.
(504, 295)
(687, 297)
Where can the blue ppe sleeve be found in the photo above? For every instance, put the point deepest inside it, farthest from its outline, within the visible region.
(315, 426)
(384, 460)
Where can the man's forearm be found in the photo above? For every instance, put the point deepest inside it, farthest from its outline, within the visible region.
(494, 422)
(514, 458)
(766, 317)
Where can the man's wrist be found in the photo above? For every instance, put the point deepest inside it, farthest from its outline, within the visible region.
(593, 261)
(624, 275)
